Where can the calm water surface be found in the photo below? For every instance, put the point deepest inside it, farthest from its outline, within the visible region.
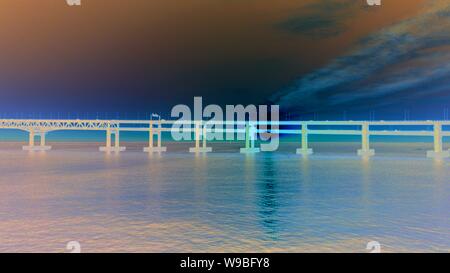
(223, 201)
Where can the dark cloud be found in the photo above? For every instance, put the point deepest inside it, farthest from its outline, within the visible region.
(407, 61)
(320, 19)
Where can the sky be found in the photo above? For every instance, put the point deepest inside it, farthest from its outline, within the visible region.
(319, 59)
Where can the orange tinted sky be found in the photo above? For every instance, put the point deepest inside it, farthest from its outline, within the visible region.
(173, 46)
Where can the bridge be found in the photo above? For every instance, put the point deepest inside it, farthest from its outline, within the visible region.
(112, 128)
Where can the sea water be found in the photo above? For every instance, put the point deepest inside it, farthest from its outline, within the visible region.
(332, 201)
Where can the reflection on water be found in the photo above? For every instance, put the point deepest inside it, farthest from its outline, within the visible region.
(267, 196)
(221, 202)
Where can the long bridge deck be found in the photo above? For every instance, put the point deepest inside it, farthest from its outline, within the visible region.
(365, 129)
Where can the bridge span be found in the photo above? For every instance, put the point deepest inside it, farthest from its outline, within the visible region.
(112, 128)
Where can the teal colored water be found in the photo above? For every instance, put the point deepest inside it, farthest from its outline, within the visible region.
(224, 201)
(90, 136)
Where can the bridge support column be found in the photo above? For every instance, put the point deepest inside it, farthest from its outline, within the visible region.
(31, 142)
(438, 152)
(158, 148)
(365, 150)
(31, 139)
(250, 136)
(44, 147)
(108, 147)
(304, 150)
(30, 146)
(197, 148)
(117, 146)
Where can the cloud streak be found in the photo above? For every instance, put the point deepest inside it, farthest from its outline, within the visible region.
(320, 19)
(410, 59)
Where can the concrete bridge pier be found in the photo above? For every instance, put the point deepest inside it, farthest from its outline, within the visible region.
(365, 150)
(304, 150)
(108, 147)
(438, 152)
(250, 136)
(31, 143)
(151, 148)
(198, 135)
